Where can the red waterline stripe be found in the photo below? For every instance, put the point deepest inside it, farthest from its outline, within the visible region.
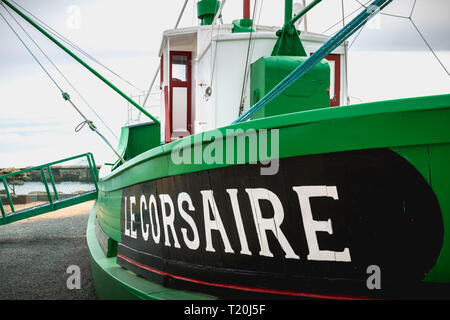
(101, 240)
(243, 288)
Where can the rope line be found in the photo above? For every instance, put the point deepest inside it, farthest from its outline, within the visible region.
(61, 73)
(65, 95)
(429, 47)
(351, 13)
(93, 128)
(415, 27)
(320, 54)
(356, 37)
(158, 69)
(413, 7)
(247, 60)
(29, 50)
(73, 45)
(82, 124)
(219, 12)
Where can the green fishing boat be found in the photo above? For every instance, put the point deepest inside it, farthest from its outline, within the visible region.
(289, 193)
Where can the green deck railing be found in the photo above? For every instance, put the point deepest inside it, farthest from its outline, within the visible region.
(55, 200)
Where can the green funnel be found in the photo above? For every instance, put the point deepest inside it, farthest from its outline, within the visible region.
(207, 10)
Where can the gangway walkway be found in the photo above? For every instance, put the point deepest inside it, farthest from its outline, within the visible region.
(52, 200)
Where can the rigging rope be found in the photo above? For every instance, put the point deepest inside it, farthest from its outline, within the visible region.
(320, 54)
(351, 13)
(91, 126)
(181, 13)
(73, 45)
(429, 47)
(415, 26)
(247, 59)
(208, 90)
(356, 37)
(59, 71)
(158, 69)
(29, 50)
(64, 94)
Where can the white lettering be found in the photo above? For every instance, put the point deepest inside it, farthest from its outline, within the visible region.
(312, 226)
(168, 219)
(144, 232)
(238, 219)
(133, 218)
(272, 224)
(214, 224)
(195, 243)
(127, 230)
(152, 205)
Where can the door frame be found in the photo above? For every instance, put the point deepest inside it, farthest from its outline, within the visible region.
(180, 84)
(336, 58)
(336, 100)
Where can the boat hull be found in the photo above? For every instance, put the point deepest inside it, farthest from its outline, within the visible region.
(335, 213)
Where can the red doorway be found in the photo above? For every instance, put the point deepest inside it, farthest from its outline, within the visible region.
(335, 93)
(178, 108)
(335, 81)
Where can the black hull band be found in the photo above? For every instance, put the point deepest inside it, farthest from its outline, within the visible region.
(375, 209)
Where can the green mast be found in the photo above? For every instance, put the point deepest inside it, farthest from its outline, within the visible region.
(287, 11)
(288, 43)
(84, 64)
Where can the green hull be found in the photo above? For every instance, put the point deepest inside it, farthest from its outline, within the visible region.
(114, 282)
(417, 129)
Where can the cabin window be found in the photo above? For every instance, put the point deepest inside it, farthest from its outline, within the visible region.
(179, 68)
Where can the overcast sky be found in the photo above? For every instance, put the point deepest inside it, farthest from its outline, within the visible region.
(388, 60)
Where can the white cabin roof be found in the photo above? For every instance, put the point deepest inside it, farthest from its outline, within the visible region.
(223, 32)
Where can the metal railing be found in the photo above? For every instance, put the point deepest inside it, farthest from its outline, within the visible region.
(56, 202)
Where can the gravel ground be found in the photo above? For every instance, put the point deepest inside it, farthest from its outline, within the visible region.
(35, 254)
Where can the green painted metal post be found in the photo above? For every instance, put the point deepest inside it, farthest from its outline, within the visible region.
(8, 195)
(84, 64)
(287, 11)
(3, 212)
(94, 177)
(52, 181)
(93, 163)
(44, 179)
(54, 205)
(288, 43)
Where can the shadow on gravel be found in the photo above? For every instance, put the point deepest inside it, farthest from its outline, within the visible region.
(35, 254)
